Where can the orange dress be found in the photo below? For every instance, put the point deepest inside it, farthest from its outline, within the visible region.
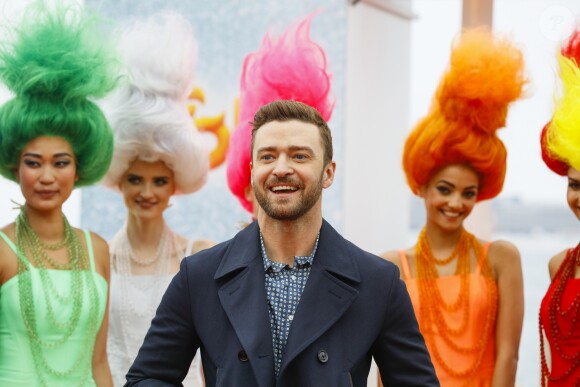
(478, 308)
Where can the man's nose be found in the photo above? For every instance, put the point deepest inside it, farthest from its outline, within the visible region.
(282, 167)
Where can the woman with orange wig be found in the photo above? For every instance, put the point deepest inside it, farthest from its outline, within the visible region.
(560, 308)
(467, 293)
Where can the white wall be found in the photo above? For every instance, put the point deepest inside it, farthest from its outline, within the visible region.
(375, 200)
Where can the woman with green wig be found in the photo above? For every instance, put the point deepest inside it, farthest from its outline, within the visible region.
(53, 278)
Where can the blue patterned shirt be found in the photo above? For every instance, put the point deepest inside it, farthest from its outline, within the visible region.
(284, 287)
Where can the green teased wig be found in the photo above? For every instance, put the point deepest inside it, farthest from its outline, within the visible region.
(53, 62)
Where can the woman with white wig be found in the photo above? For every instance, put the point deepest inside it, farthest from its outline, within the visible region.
(158, 153)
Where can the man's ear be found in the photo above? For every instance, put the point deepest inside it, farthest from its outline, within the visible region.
(328, 174)
(251, 174)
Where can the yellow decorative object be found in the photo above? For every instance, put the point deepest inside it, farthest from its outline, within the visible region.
(215, 125)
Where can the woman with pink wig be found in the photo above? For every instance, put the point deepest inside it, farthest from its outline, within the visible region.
(291, 67)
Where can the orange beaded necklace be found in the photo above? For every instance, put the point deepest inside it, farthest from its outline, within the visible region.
(433, 307)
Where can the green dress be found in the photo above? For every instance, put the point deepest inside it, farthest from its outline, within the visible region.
(17, 364)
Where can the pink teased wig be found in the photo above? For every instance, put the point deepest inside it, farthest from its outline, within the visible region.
(291, 67)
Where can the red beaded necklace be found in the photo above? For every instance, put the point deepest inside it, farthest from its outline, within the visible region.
(556, 313)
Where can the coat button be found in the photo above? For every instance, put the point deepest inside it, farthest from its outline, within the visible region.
(323, 356)
(242, 356)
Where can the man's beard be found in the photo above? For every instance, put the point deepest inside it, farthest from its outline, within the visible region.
(283, 212)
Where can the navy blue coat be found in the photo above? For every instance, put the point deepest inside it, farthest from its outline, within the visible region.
(354, 307)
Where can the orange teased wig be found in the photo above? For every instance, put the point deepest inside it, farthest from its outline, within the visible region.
(485, 74)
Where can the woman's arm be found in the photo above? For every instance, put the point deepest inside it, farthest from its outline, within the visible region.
(101, 371)
(8, 259)
(506, 263)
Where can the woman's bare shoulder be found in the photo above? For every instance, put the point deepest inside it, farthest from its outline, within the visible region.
(556, 262)
(201, 244)
(503, 252)
(100, 251)
(392, 256)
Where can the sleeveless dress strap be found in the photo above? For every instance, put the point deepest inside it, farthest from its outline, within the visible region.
(405, 264)
(90, 249)
(188, 248)
(484, 257)
(9, 242)
(15, 249)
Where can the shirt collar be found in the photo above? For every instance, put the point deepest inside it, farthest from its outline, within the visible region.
(299, 260)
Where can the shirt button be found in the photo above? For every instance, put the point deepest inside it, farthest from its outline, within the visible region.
(323, 356)
(293, 278)
(242, 356)
(291, 317)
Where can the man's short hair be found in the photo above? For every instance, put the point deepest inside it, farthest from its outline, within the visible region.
(286, 110)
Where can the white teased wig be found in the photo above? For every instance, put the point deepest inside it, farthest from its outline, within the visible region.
(148, 112)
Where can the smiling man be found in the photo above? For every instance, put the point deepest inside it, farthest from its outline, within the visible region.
(287, 302)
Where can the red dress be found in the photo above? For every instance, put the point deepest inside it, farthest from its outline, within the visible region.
(560, 321)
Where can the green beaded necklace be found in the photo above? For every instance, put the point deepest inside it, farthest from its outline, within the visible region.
(33, 255)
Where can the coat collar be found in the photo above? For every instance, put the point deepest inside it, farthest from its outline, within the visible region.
(245, 247)
(333, 254)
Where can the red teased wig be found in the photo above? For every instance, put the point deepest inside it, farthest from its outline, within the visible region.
(556, 165)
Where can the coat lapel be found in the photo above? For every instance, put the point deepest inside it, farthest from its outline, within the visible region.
(326, 297)
(243, 297)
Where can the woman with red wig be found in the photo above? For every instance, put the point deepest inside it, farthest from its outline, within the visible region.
(560, 308)
(467, 293)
